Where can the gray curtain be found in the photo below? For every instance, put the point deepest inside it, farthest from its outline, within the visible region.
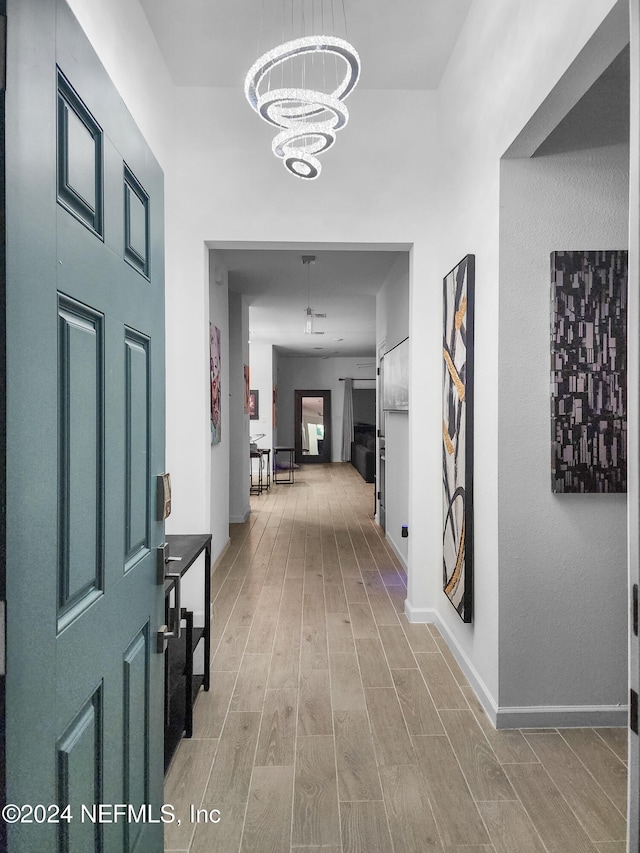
(347, 420)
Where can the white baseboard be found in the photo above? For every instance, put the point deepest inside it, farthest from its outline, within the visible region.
(559, 717)
(395, 550)
(420, 615)
(215, 560)
(240, 519)
(428, 615)
(524, 717)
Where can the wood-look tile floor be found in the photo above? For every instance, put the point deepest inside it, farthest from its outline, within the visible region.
(333, 724)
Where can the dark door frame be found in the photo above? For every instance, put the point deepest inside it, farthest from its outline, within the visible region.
(325, 456)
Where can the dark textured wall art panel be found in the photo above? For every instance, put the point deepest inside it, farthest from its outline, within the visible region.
(457, 436)
(589, 371)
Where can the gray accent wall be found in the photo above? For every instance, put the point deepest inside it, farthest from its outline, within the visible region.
(364, 405)
(562, 557)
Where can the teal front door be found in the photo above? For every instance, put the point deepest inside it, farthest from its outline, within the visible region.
(84, 444)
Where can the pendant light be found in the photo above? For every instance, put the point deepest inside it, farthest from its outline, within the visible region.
(299, 86)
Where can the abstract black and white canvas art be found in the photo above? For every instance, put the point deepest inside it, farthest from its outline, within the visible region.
(457, 436)
(588, 371)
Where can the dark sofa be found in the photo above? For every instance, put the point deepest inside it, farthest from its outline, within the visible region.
(363, 451)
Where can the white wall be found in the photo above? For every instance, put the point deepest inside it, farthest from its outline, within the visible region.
(322, 374)
(507, 59)
(563, 558)
(238, 441)
(396, 476)
(392, 326)
(392, 304)
(217, 457)
(262, 378)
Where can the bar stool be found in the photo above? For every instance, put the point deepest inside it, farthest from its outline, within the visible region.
(290, 477)
(266, 453)
(255, 487)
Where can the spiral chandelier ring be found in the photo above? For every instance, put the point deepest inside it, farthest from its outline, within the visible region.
(285, 142)
(303, 165)
(272, 107)
(292, 108)
(298, 47)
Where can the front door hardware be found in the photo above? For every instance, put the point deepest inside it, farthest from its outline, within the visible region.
(635, 609)
(164, 496)
(161, 639)
(633, 711)
(172, 631)
(162, 560)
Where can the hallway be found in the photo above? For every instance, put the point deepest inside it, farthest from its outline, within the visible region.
(334, 724)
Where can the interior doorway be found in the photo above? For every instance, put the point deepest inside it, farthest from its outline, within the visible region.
(553, 158)
(312, 426)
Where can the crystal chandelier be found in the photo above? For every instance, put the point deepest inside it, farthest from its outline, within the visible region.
(299, 87)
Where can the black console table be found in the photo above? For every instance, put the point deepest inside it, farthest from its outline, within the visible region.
(180, 682)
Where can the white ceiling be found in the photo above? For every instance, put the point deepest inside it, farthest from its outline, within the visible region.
(403, 44)
(343, 285)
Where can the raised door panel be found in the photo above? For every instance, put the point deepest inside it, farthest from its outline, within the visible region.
(137, 475)
(80, 459)
(136, 732)
(136, 223)
(80, 773)
(79, 158)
